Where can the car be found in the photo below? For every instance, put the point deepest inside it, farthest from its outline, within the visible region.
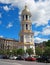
(13, 57)
(5, 57)
(43, 59)
(48, 60)
(30, 59)
(20, 58)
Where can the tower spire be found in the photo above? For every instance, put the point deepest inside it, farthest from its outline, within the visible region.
(25, 6)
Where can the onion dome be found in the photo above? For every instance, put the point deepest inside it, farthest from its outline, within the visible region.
(26, 11)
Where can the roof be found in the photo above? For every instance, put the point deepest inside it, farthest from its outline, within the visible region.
(8, 39)
(26, 11)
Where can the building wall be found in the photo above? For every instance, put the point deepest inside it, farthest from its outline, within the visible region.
(8, 44)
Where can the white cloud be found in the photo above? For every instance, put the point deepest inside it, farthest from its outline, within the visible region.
(5, 1)
(39, 40)
(46, 30)
(42, 14)
(9, 25)
(8, 1)
(1, 36)
(40, 10)
(36, 33)
(6, 8)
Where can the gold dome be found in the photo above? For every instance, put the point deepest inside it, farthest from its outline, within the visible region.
(26, 11)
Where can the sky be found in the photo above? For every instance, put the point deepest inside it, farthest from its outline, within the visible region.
(10, 19)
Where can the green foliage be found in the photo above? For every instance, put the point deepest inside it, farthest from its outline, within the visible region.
(14, 52)
(20, 51)
(1, 51)
(5, 52)
(47, 51)
(30, 51)
(47, 48)
(38, 51)
(48, 43)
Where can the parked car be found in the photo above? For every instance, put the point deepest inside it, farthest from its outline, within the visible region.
(1, 56)
(13, 57)
(30, 58)
(20, 58)
(5, 57)
(43, 59)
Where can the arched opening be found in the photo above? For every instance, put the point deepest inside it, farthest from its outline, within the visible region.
(26, 26)
(26, 17)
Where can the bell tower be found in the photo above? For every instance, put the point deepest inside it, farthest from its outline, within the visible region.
(26, 34)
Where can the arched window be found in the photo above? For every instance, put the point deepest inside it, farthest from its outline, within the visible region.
(26, 17)
(26, 26)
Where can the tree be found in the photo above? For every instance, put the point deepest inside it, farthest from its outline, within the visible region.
(8, 52)
(47, 51)
(1, 51)
(48, 43)
(14, 52)
(5, 52)
(39, 51)
(20, 51)
(30, 51)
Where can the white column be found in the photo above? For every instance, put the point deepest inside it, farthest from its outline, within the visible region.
(28, 27)
(28, 17)
(24, 17)
(24, 27)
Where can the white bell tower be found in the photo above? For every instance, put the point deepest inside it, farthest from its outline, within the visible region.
(26, 34)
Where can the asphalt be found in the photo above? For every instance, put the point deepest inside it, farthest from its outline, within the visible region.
(15, 62)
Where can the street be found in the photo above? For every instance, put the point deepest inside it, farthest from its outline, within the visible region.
(16, 62)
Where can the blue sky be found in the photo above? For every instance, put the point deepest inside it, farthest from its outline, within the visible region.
(10, 11)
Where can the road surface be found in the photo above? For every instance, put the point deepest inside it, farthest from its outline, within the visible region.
(15, 62)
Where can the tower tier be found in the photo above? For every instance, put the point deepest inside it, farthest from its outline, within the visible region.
(26, 34)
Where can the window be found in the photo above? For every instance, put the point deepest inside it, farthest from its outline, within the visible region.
(26, 26)
(26, 17)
